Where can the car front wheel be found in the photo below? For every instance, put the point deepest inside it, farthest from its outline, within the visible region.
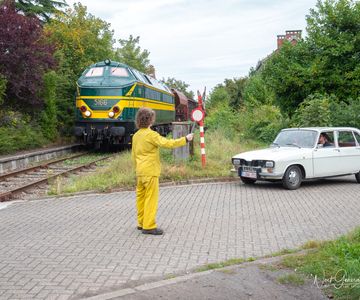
(292, 178)
(247, 180)
(357, 176)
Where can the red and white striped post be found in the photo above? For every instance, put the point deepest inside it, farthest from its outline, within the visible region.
(202, 143)
(198, 115)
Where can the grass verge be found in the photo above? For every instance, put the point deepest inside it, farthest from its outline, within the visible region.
(293, 279)
(119, 172)
(226, 263)
(333, 266)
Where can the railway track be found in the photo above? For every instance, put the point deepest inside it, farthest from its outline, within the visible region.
(11, 184)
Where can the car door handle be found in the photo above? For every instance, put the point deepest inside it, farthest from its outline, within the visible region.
(338, 150)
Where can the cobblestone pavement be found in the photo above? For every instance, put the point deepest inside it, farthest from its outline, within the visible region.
(75, 247)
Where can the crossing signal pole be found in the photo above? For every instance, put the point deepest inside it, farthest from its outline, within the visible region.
(198, 116)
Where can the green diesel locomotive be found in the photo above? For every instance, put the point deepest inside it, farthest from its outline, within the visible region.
(107, 99)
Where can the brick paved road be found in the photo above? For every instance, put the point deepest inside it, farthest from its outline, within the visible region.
(71, 248)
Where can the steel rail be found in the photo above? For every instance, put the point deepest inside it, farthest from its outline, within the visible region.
(40, 166)
(9, 194)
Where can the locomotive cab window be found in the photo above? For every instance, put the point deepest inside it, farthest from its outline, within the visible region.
(93, 72)
(119, 72)
(139, 76)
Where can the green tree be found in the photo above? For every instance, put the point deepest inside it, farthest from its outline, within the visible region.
(217, 98)
(327, 61)
(180, 85)
(81, 39)
(3, 82)
(130, 53)
(345, 113)
(48, 115)
(313, 111)
(261, 122)
(222, 117)
(334, 41)
(235, 90)
(257, 91)
(288, 74)
(43, 9)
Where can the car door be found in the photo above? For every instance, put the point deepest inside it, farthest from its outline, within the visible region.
(357, 138)
(326, 159)
(348, 151)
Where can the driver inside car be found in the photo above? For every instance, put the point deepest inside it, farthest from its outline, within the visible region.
(324, 140)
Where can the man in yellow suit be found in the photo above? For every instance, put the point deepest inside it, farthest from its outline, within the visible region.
(146, 157)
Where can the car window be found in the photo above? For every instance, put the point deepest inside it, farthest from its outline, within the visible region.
(328, 139)
(296, 138)
(346, 139)
(357, 136)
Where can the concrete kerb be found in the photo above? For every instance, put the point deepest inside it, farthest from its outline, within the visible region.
(182, 278)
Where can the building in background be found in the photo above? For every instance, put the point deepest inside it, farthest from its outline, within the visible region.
(293, 36)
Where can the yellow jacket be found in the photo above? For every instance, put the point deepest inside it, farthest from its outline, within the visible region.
(145, 151)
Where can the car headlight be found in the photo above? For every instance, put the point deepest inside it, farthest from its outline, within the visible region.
(269, 164)
(236, 161)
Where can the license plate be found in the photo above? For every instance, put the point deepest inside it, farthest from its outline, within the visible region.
(248, 174)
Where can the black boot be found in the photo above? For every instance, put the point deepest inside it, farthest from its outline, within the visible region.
(155, 231)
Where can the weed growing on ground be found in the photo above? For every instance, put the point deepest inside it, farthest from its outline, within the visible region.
(294, 279)
(333, 265)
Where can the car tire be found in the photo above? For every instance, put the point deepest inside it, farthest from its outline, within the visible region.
(247, 180)
(292, 178)
(357, 176)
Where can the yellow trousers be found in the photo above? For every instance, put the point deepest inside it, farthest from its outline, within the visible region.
(147, 195)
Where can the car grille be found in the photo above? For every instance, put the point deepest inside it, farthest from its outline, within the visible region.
(252, 163)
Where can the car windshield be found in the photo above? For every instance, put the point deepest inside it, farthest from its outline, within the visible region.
(296, 138)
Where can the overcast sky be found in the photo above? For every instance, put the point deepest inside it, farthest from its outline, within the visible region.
(202, 42)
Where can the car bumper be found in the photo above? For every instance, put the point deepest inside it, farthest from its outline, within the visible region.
(270, 176)
(262, 175)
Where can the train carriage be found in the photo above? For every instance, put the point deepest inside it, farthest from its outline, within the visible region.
(108, 97)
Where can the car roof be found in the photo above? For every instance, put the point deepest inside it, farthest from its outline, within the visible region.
(322, 128)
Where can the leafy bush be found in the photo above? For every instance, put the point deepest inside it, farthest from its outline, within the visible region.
(18, 132)
(3, 83)
(48, 116)
(313, 111)
(217, 98)
(258, 92)
(345, 113)
(222, 117)
(325, 110)
(262, 123)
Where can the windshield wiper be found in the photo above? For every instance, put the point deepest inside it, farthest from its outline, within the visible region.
(293, 144)
(114, 69)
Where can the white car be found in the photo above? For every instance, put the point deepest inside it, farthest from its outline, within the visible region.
(298, 154)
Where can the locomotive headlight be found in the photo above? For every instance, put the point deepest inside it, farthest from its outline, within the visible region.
(111, 114)
(87, 113)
